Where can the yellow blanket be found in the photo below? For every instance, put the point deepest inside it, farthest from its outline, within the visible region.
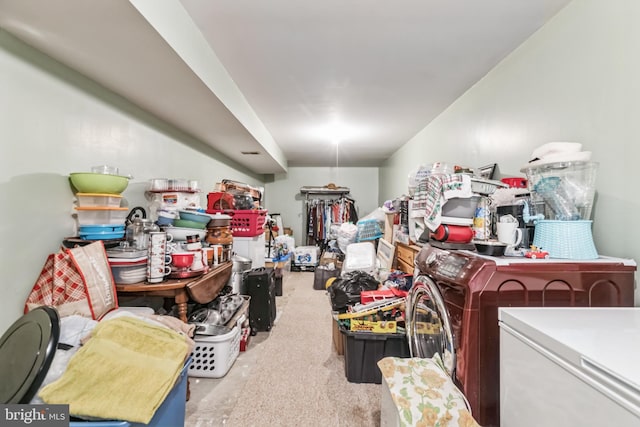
(124, 372)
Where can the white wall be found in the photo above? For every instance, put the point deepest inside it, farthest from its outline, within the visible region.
(53, 122)
(577, 79)
(283, 194)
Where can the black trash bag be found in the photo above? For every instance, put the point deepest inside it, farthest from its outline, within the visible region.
(345, 290)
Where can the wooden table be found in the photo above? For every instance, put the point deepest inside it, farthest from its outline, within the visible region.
(202, 289)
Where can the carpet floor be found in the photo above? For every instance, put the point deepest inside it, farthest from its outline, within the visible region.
(289, 376)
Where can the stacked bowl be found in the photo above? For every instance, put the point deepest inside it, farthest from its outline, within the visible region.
(189, 223)
(99, 196)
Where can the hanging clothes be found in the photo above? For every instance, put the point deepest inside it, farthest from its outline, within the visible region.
(322, 214)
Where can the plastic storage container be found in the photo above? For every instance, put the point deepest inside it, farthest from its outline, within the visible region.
(101, 216)
(214, 355)
(170, 413)
(245, 223)
(565, 189)
(368, 229)
(101, 232)
(360, 257)
(95, 200)
(363, 350)
(305, 258)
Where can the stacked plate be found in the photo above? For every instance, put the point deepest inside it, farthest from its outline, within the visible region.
(127, 271)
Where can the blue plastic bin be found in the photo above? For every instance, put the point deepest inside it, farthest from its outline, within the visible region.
(170, 413)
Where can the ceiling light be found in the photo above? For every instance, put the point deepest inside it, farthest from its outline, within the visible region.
(335, 132)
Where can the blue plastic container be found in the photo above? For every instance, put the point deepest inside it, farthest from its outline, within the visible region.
(170, 413)
(101, 232)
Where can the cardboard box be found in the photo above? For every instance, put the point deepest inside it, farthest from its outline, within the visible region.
(338, 338)
(328, 258)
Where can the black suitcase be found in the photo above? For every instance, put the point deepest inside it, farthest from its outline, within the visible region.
(262, 307)
(278, 280)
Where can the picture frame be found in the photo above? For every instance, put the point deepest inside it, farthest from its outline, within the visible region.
(487, 171)
(385, 254)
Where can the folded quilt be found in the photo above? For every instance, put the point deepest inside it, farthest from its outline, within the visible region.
(424, 394)
(123, 372)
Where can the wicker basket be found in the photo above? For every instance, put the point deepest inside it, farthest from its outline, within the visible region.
(565, 239)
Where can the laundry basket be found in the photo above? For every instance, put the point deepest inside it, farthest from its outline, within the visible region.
(214, 355)
(368, 229)
(565, 239)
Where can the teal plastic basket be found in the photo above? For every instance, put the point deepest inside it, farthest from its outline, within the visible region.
(368, 229)
(565, 239)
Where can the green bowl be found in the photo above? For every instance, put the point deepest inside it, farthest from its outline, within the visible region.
(185, 223)
(87, 182)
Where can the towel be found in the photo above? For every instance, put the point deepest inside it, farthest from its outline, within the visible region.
(123, 372)
(434, 191)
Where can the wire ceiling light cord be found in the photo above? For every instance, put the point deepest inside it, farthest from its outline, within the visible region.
(337, 161)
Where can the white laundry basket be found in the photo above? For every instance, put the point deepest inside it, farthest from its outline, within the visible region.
(213, 355)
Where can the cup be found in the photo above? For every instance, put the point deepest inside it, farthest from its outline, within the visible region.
(158, 239)
(217, 254)
(195, 246)
(207, 255)
(509, 233)
(183, 259)
(158, 263)
(156, 273)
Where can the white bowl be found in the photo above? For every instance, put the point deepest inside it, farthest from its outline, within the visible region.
(180, 233)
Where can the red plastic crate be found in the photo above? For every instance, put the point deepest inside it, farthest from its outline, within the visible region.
(246, 223)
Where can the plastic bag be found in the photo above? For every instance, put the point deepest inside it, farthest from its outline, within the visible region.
(347, 235)
(345, 290)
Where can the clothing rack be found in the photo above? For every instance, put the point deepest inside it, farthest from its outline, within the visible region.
(333, 190)
(320, 211)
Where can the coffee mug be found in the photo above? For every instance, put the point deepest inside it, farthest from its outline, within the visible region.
(509, 233)
(156, 273)
(217, 254)
(207, 255)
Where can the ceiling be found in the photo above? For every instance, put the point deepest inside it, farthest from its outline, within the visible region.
(297, 83)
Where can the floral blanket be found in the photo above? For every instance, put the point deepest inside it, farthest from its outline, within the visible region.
(424, 393)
